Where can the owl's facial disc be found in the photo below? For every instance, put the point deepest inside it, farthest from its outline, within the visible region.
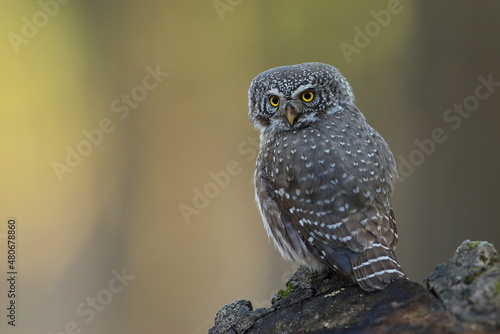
(295, 109)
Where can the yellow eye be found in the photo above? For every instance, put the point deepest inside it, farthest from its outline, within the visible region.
(274, 100)
(307, 96)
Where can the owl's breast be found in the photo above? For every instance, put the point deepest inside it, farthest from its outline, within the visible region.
(302, 162)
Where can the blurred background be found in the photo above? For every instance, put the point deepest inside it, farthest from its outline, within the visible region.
(127, 155)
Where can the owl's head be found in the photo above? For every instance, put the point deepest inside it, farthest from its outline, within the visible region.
(293, 97)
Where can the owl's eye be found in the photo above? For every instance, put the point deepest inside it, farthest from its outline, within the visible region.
(307, 96)
(274, 100)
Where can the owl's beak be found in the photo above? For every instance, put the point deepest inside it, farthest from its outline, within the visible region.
(290, 114)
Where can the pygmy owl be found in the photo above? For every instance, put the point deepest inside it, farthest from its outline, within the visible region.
(324, 177)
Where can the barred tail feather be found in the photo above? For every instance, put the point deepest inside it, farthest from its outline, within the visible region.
(376, 267)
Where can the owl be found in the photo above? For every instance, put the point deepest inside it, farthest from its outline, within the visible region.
(324, 177)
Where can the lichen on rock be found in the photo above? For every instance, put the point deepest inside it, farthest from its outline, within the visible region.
(467, 284)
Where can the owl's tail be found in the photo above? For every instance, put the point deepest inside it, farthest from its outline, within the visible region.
(376, 267)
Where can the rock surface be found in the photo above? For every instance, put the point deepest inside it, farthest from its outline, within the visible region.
(463, 296)
(469, 283)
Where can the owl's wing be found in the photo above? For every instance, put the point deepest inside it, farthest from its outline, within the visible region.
(343, 233)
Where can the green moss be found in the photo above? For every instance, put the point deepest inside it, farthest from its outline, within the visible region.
(477, 272)
(473, 244)
(488, 260)
(483, 257)
(469, 279)
(285, 292)
(496, 289)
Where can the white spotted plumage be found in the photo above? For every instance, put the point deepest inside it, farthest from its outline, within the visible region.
(324, 177)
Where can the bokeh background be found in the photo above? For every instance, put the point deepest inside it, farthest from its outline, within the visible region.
(131, 203)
